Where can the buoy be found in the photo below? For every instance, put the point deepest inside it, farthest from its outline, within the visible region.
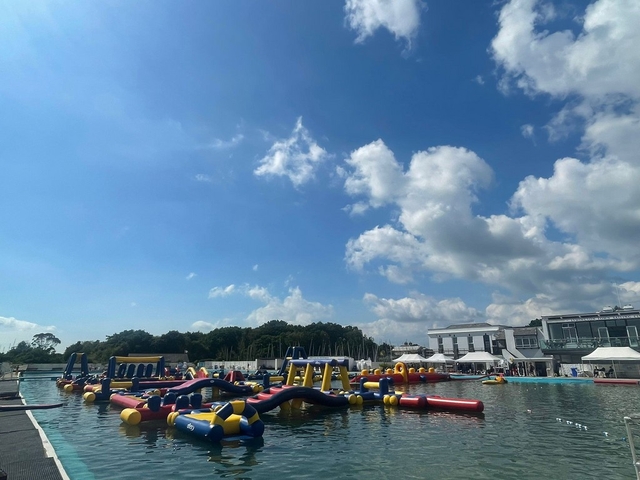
(131, 416)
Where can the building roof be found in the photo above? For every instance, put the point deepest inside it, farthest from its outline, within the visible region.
(407, 348)
(525, 330)
(601, 315)
(468, 325)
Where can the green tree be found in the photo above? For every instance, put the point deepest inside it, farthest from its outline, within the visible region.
(45, 341)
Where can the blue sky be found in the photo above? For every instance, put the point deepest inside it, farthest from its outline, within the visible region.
(396, 166)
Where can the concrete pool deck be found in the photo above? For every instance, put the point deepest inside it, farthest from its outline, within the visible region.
(25, 451)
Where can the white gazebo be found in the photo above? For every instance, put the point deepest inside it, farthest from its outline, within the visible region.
(484, 358)
(623, 356)
(411, 358)
(439, 358)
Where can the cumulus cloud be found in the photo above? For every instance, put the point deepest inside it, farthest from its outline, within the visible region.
(408, 318)
(191, 275)
(565, 236)
(602, 60)
(419, 308)
(436, 230)
(293, 308)
(598, 67)
(297, 157)
(437, 233)
(400, 17)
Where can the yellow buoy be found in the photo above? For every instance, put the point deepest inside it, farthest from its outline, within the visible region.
(130, 416)
(171, 418)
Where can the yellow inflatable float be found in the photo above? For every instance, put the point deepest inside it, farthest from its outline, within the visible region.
(495, 381)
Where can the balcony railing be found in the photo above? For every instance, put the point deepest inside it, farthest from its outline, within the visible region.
(588, 343)
(463, 351)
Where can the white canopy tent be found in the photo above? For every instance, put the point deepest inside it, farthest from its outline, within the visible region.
(484, 358)
(411, 358)
(613, 355)
(439, 358)
(479, 357)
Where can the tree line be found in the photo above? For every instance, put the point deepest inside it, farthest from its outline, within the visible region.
(269, 340)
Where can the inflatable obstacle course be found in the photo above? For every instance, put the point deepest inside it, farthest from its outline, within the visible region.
(401, 374)
(236, 420)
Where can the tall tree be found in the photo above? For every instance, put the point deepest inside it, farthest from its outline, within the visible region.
(45, 341)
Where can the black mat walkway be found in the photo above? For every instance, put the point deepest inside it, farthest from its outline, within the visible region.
(22, 454)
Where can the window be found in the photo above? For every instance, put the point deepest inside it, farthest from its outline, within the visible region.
(455, 345)
(570, 334)
(440, 345)
(555, 331)
(526, 342)
(584, 330)
(487, 343)
(471, 347)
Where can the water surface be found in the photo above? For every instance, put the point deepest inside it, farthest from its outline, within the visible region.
(523, 434)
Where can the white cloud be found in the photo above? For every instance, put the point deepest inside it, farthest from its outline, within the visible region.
(437, 233)
(11, 323)
(297, 157)
(191, 275)
(578, 199)
(218, 144)
(202, 326)
(255, 267)
(566, 235)
(203, 177)
(479, 79)
(216, 292)
(527, 131)
(409, 318)
(13, 331)
(400, 17)
(375, 174)
(258, 293)
(602, 60)
(293, 308)
(599, 67)
(419, 308)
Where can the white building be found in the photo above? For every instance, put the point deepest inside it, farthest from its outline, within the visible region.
(458, 340)
(519, 346)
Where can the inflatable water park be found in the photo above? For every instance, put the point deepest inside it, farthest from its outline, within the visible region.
(146, 390)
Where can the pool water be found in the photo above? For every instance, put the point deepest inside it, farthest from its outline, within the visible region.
(522, 434)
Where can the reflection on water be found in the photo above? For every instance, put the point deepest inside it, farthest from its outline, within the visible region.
(528, 431)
